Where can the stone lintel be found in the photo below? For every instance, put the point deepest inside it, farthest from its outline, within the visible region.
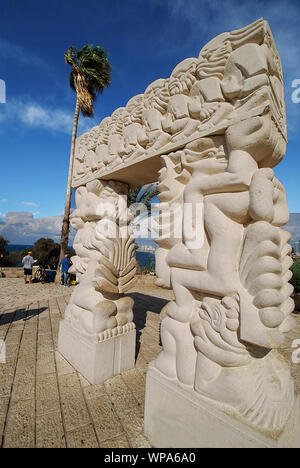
(144, 170)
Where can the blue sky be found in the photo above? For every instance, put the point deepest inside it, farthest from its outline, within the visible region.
(144, 39)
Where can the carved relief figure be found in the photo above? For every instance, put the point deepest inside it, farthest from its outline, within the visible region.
(156, 99)
(172, 180)
(104, 262)
(178, 121)
(232, 296)
(135, 138)
(80, 149)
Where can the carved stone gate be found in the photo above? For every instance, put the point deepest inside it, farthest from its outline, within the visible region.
(210, 134)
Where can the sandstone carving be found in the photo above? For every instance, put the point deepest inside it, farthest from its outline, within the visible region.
(232, 291)
(171, 185)
(105, 268)
(104, 263)
(213, 132)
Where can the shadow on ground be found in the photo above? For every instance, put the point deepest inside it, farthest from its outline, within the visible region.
(142, 304)
(20, 314)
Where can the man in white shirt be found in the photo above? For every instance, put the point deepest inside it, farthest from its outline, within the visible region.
(27, 263)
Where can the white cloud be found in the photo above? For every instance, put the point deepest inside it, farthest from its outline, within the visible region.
(3, 200)
(29, 203)
(21, 227)
(31, 115)
(35, 115)
(20, 55)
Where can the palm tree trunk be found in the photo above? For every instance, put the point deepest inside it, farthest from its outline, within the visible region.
(66, 220)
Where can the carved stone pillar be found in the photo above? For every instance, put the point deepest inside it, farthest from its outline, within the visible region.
(97, 335)
(172, 179)
(220, 380)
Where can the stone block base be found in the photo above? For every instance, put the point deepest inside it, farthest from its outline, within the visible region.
(178, 417)
(97, 362)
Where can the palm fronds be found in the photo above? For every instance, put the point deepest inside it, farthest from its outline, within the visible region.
(143, 195)
(90, 74)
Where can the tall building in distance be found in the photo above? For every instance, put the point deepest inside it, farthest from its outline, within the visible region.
(297, 247)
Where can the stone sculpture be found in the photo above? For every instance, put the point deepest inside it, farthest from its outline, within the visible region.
(213, 132)
(105, 267)
(171, 185)
(232, 296)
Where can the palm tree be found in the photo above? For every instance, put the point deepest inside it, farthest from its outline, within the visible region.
(90, 74)
(143, 195)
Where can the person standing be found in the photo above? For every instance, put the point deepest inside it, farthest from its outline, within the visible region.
(27, 263)
(64, 267)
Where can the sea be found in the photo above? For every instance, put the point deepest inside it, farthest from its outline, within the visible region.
(145, 259)
(18, 247)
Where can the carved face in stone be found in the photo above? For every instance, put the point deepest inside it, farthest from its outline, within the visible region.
(101, 153)
(76, 221)
(209, 158)
(170, 183)
(93, 137)
(134, 109)
(183, 77)
(157, 95)
(104, 129)
(213, 57)
(215, 46)
(118, 118)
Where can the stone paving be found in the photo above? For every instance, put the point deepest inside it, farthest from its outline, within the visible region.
(44, 402)
(15, 293)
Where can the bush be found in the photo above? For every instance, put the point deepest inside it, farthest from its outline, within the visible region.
(13, 258)
(24, 252)
(295, 280)
(3, 251)
(7, 259)
(150, 268)
(70, 251)
(46, 252)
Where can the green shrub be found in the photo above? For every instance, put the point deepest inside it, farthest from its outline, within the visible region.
(150, 268)
(13, 258)
(25, 251)
(295, 280)
(46, 252)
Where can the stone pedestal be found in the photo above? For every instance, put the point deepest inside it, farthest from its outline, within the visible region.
(97, 361)
(179, 417)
